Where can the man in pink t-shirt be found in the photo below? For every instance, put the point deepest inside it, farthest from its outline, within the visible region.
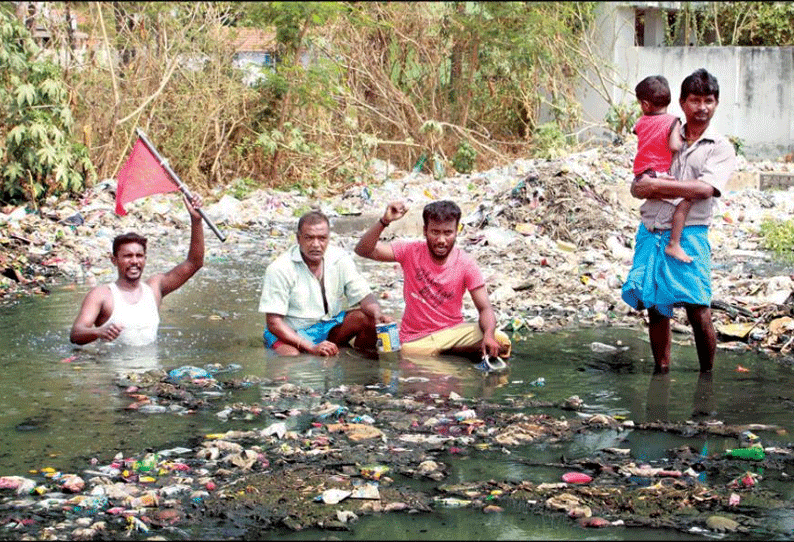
(436, 275)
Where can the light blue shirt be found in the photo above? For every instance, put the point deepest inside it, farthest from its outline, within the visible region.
(290, 289)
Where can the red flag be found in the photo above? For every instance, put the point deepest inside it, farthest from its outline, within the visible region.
(141, 176)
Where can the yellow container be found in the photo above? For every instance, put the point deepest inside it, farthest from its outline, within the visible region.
(388, 337)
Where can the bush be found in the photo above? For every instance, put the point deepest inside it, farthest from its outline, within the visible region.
(549, 141)
(464, 158)
(778, 236)
(621, 118)
(39, 157)
(738, 144)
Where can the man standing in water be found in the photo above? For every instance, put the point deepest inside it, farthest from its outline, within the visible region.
(127, 310)
(656, 281)
(436, 275)
(305, 292)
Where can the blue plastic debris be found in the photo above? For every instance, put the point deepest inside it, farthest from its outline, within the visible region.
(486, 365)
(188, 371)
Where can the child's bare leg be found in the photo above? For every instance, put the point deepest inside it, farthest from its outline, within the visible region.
(673, 247)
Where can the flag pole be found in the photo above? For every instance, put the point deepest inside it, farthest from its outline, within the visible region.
(178, 181)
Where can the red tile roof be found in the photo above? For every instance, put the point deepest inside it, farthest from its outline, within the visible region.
(249, 39)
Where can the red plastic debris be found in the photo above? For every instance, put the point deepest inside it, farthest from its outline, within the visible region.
(576, 478)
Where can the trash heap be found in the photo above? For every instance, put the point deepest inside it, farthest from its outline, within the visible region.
(554, 239)
(311, 460)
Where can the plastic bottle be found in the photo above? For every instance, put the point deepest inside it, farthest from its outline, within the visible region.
(754, 453)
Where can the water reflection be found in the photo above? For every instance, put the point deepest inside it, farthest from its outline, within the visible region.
(658, 399)
(120, 357)
(658, 404)
(438, 376)
(704, 405)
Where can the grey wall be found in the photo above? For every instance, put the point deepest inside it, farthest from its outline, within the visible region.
(755, 83)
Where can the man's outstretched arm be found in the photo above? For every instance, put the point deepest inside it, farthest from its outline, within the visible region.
(176, 277)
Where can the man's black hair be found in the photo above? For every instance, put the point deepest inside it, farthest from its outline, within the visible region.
(441, 211)
(700, 83)
(311, 218)
(654, 89)
(125, 238)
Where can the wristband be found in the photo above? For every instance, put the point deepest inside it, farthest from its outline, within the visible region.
(382, 223)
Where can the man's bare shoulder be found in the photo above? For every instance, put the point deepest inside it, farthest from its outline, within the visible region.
(100, 294)
(101, 290)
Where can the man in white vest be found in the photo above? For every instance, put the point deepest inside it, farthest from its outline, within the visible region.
(128, 310)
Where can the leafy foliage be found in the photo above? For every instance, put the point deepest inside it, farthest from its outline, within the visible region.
(352, 81)
(622, 117)
(549, 141)
(738, 144)
(778, 236)
(39, 156)
(732, 23)
(464, 158)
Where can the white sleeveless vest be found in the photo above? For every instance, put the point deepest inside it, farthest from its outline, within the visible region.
(140, 320)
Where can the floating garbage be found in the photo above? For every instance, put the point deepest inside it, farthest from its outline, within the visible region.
(374, 472)
(489, 364)
(467, 414)
(152, 408)
(576, 478)
(279, 429)
(331, 411)
(148, 463)
(363, 419)
(217, 368)
(412, 379)
(602, 348)
(333, 496)
(368, 491)
(451, 502)
(188, 371)
(748, 479)
(753, 453)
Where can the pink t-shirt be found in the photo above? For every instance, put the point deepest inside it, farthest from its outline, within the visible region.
(653, 148)
(433, 293)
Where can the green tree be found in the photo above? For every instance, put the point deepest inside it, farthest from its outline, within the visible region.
(39, 155)
(760, 24)
(302, 79)
(755, 23)
(485, 72)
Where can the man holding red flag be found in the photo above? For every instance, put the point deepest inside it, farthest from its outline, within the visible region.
(127, 310)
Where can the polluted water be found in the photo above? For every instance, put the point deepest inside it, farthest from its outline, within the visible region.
(571, 441)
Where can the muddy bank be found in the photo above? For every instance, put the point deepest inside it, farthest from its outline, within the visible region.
(323, 461)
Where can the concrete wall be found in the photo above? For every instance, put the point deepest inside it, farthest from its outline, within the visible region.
(755, 83)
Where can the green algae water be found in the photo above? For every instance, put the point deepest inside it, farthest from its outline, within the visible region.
(60, 406)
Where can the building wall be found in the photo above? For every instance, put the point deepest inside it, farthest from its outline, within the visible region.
(755, 83)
